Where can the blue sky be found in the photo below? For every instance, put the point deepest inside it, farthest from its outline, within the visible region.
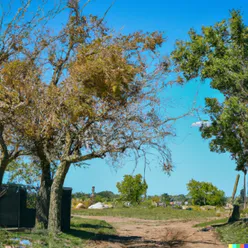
(190, 153)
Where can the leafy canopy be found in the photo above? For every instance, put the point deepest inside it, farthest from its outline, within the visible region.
(132, 188)
(220, 53)
(204, 193)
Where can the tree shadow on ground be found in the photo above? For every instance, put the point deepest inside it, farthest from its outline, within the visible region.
(94, 226)
(132, 241)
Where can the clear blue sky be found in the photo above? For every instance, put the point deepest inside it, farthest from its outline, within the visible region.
(190, 153)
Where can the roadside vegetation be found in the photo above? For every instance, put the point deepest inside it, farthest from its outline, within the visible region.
(212, 223)
(235, 233)
(102, 99)
(82, 231)
(155, 213)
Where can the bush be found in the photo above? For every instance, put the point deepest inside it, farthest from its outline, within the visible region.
(156, 199)
(177, 207)
(87, 203)
(75, 202)
(147, 203)
(204, 193)
(99, 198)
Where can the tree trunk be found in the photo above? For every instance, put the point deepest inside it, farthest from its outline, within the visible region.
(235, 214)
(245, 189)
(3, 166)
(43, 199)
(1, 175)
(54, 224)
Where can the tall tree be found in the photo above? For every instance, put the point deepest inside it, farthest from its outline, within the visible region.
(108, 107)
(220, 53)
(101, 100)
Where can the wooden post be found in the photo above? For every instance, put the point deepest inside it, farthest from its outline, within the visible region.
(235, 188)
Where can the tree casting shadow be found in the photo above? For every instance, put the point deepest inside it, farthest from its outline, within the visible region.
(132, 241)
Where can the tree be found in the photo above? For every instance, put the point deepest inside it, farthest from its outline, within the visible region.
(165, 198)
(204, 193)
(132, 188)
(220, 54)
(180, 197)
(100, 101)
(80, 195)
(107, 195)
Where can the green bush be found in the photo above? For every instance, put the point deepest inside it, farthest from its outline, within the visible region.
(147, 203)
(132, 188)
(204, 193)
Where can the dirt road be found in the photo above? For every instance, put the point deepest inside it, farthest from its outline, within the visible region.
(139, 233)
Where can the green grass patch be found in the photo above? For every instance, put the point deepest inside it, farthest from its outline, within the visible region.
(235, 233)
(82, 230)
(158, 213)
(212, 222)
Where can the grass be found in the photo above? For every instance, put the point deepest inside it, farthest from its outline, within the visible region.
(212, 222)
(235, 233)
(82, 230)
(148, 213)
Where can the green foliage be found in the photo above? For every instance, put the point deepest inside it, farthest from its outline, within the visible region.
(235, 233)
(103, 196)
(220, 53)
(107, 195)
(87, 202)
(82, 230)
(165, 198)
(204, 193)
(156, 199)
(98, 198)
(80, 195)
(24, 172)
(148, 213)
(181, 198)
(212, 222)
(132, 188)
(147, 203)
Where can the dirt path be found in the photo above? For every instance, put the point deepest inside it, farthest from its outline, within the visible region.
(139, 233)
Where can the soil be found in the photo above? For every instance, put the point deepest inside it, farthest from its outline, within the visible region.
(137, 233)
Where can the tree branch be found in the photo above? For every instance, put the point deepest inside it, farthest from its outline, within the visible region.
(101, 154)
